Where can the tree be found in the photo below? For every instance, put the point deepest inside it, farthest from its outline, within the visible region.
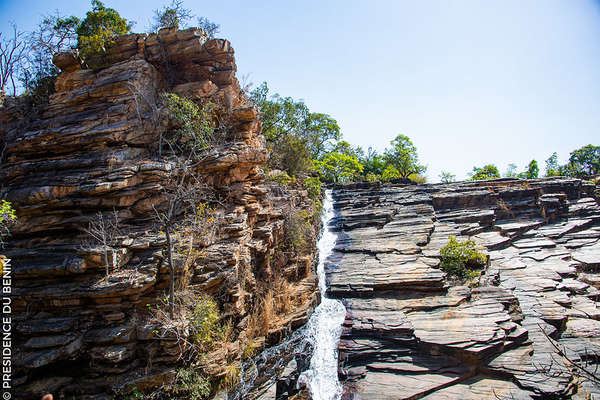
(12, 52)
(100, 26)
(293, 131)
(552, 167)
(103, 231)
(584, 162)
(337, 167)
(209, 27)
(373, 164)
(403, 157)
(532, 170)
(489, 171)
(172, 16)
(511, 171)
(53, 35)
(447, 177)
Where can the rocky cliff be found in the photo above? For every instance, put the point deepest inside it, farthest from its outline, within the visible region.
(94, 149)
(524, 330)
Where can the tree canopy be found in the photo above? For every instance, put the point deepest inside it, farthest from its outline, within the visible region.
(489, 171)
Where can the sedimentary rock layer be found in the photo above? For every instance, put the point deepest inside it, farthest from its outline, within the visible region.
(94, 148)
(410, 332)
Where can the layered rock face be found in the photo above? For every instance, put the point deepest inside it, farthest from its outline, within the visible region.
(517, 334)
(94, 148)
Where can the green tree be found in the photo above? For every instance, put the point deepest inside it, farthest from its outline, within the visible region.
(337, 167)
(403, 157)
(293, 131)
(373, 165)
(584, 162)
(533, 170)
(552, 167)
(447, 177)
(489, 171)
(96, 32)
(171, 16)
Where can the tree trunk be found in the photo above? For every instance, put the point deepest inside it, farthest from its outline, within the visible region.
(171, 269)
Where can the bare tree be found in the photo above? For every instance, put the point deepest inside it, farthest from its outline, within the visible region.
(103, 230)
(12, 51)
(209, 27)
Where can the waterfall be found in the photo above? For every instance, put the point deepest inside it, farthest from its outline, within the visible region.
(325, 325)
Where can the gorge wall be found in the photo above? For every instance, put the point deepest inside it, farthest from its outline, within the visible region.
(517, 333)
(94, 149)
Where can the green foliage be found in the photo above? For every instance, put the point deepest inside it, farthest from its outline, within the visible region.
(298, 230)
(552, 167)
(313, 186)
(447, 177)
(171, 16)
(97, 30)
(295, 135)
(584, 162)
(533, 170)
(205, 322)
(373, 165)
(489, 171)
(460, 258)
(403, 157)
(390, 173)
(7, 212)
(337, 167)
(188, 384)
(194, 125)
(8, 217)
(282, 178)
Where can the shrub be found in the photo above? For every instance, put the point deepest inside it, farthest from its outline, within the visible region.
(189, 384)
(8, 217)
(282, 178)
(460, 258)
(313, 186)
(195, 125)
(204, 321)
(298, 229)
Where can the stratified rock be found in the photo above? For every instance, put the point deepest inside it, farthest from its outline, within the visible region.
(410, 332)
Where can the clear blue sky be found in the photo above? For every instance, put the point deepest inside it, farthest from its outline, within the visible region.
(470, 82)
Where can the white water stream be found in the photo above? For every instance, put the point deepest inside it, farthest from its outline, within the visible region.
(325, 325)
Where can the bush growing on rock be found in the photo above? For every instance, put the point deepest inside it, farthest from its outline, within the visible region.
(7, 218)
(459, 259)
(194, 125)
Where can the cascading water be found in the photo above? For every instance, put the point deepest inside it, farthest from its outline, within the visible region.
(325, 324)
(321, 334)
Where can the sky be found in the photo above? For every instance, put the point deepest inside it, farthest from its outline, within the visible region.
(471, 82)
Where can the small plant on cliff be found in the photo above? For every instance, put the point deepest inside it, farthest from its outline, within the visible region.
(298, 230)
(103, 231)
(194, 125)
(459, 259)
(8, 217)
(189, 383)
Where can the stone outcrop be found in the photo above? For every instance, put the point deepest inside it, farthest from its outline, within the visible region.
(94, 148)
(411, 332)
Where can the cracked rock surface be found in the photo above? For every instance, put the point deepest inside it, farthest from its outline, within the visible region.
(518, 333)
